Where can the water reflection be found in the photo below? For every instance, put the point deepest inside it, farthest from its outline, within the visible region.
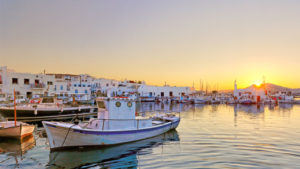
(163, 107)
(16, 148)
(125, 155)
(211, 136)
(249, 108)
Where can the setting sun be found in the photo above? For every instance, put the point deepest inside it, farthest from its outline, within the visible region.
(258, 82)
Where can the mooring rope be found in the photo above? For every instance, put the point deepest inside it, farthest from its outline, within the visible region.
(67, 134)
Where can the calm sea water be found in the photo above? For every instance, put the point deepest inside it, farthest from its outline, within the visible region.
(209, 136)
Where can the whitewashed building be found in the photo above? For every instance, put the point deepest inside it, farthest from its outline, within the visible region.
(253, 93)
(163, 91)
(25, 84)
(68, 85)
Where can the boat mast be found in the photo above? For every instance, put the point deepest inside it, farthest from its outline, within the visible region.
(15, 108)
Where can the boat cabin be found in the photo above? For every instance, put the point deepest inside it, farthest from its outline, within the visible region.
(118, 113)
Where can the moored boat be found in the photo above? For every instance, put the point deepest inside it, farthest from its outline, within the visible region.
(199, 100)
(147, 99)
(116, 124)
(48, 106)
(15, 130)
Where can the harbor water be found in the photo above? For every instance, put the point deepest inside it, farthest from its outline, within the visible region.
(208, 136)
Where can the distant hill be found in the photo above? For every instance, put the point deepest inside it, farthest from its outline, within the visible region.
(270, 87)
(275, 88)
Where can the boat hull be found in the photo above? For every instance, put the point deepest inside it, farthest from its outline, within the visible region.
(9, 112)
(150, 99)
(17, 132)
(62, 137)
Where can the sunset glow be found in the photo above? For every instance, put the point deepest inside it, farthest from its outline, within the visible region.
(258, 83)
(216, 42)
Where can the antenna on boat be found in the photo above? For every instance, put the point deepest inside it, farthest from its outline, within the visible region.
(15, 108)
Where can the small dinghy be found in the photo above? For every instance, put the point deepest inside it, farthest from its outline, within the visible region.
(15, 129)
(116, 124)
(18, 130)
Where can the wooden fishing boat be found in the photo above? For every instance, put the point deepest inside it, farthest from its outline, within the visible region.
(9, 129)
(14, 128)
(116, 124)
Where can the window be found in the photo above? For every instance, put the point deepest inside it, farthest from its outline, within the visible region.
(1, 80)
(36, 82)
(50, 83)
(85, 91)
(26, 81)
(76, 91)
(48, 100)
(14, 80)
(83, 85)
(89, 85)
(75, 85)
(101, 104)
(61, 87)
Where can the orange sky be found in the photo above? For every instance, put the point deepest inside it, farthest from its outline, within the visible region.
(179, 42)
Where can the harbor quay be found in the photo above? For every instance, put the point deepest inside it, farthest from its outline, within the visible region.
(84, 89)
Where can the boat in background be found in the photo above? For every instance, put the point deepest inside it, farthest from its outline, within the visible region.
(199, 100)
(147, 99)
(45, 108)
(116, 124)
(246, 101)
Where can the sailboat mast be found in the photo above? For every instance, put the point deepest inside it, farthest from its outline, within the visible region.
(15, 107)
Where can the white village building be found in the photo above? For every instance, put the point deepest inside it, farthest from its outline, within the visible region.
(163, 91)
(254, 93)
(25, 84)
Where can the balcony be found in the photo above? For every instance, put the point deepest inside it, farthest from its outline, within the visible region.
(37, 86)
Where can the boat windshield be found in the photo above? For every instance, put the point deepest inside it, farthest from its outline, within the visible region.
(2, 95)
(48, 100)
(101, 104)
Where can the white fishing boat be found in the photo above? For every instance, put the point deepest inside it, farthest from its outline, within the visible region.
(147, 99)
(199, 100)
(116, 124)
(45, 107)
